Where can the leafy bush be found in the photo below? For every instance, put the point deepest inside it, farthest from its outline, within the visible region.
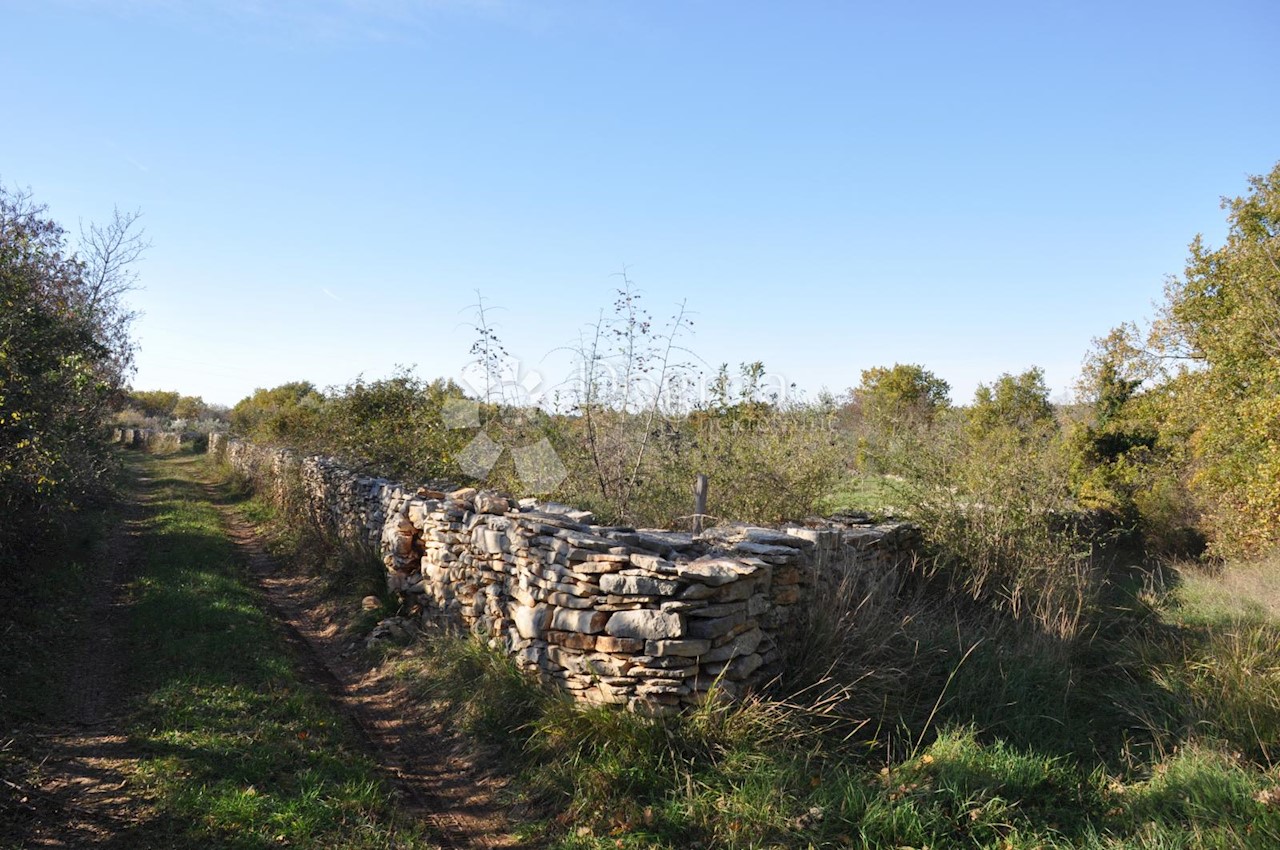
(63, 354)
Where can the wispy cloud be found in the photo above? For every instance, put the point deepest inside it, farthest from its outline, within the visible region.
(326, 291)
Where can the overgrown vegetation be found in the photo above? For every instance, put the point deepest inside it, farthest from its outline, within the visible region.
(637, 429)
(998, 746)
(169, 410)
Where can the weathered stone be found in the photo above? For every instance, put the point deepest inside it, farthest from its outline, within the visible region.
(789, 574)
(599, 664)
(594, 567)
(764, 549)
(715, 571)
(621, 645)
(719, 610)
(773, 537)
(571, 640)
(492, 541)
(586, 541)
(488, 502)
(392, 630)
(650, 625)
(717, 627)
(568, 600)
(655, 688)
(697, 591)
(737, 669)
(585, 622)
(531, 622)
(637, 585)
(788, 595)
(744, 644)
(650, 562)
(686, 648)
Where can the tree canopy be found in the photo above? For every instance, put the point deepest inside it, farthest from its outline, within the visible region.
(1220, 323)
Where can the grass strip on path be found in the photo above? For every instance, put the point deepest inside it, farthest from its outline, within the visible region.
(239, 751)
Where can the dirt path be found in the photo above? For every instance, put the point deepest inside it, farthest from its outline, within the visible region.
(429, 766)
(80, 794)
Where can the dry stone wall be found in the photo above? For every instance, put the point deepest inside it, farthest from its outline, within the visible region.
(156, 440)
(646, 618)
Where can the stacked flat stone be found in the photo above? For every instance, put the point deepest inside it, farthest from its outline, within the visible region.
(650, 619)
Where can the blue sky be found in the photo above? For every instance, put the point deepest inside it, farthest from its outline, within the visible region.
(976, 187)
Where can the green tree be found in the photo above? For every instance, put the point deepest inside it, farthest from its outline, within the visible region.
(154, 403)
(58, 371)
(189, 408)
(1019, 402)
(285, 413)
(1220, 323)
(905, 393)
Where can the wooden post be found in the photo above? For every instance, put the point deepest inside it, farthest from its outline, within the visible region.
(699, 502)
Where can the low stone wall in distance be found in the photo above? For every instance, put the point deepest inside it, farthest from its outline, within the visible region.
(651, 619)
(157, 441)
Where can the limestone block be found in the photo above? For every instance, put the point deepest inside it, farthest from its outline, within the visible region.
(715, 571)
(585, 622)
(787, 595)
(653, 563)
(637, 585)
(571, 640)
(531, 622)
(566, 600)
(620, 645)
(646, 624)
(744, 644)
(488, 502)
(717, 627)
(737, 669)
(687, 648)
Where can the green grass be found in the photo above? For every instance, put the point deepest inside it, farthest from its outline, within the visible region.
(759, 775)
(865, 493)
(240, 752)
